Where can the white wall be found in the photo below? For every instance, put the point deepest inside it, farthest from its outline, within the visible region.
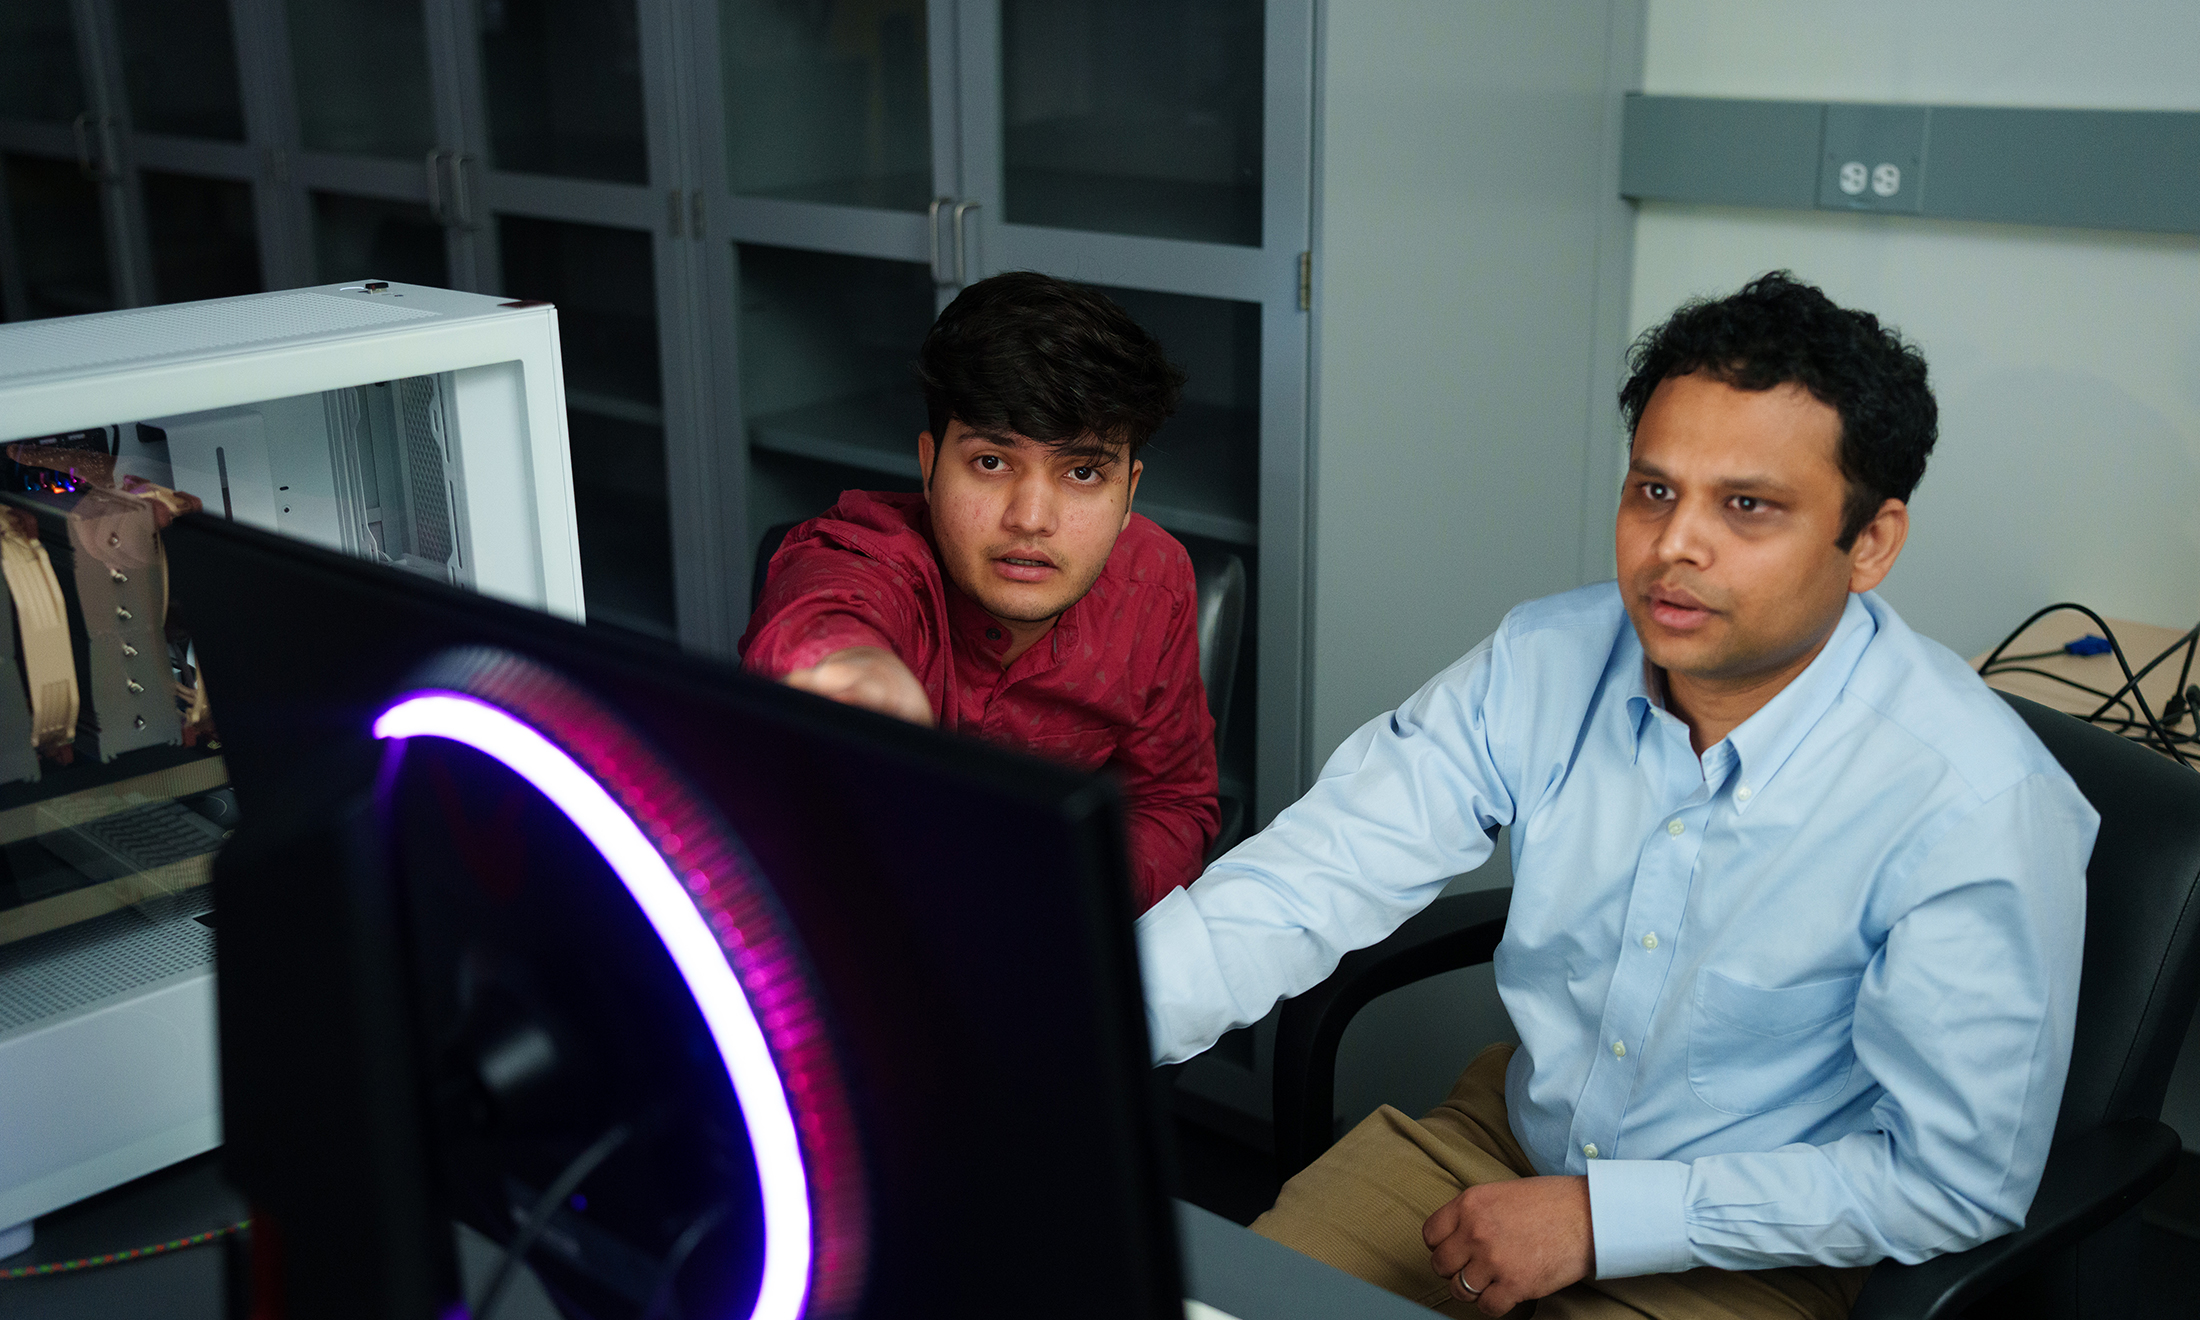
(2066, 362)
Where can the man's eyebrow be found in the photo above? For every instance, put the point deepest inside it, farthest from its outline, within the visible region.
(1748, 482)
(1756, 483)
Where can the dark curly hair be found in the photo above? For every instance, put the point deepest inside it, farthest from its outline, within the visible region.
(1055, 362)
(1779, 329)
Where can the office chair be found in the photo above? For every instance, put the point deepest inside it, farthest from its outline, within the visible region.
(2135, 996)
(1221, 578)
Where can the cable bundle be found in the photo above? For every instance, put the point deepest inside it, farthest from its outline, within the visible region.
(2124, 711)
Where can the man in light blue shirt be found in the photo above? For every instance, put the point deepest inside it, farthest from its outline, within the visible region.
(1794, 937)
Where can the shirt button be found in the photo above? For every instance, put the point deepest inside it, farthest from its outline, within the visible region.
(1590, 1150)
(1674, 827)
(1619, 1049)
(1650, 941)
(993, 634)
(1742, 794)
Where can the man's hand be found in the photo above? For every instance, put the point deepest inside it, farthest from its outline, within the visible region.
(868, 676)
(1516, 1241)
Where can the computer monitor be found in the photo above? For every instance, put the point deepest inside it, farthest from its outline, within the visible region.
(517, 907)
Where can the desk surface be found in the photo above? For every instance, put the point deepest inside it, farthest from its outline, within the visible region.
(1245, 1276)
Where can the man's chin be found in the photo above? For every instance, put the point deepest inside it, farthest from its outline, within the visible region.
(1023, 611)
(1692, 652)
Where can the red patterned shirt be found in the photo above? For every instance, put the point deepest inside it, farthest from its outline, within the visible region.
(1114, 684)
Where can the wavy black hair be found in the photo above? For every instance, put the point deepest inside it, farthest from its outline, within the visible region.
(1051, 361)
(1779, 329)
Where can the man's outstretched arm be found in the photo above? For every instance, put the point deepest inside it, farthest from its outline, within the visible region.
(834, 622)
(1403, 805)
(869, 676)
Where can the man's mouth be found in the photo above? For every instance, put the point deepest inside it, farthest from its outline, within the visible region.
(1023, 568)
(1677, 609)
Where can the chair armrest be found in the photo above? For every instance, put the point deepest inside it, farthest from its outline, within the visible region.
(2090, 1180)
(1450, 933)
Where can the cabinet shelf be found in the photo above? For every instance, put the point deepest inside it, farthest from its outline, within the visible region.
(1202, 470)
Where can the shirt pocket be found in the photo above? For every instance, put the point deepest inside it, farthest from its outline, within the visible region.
(1751, 1049)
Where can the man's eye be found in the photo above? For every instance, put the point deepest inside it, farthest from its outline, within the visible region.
(1085, 473)
(1748, 503)
(990, 462)
(1657, 490)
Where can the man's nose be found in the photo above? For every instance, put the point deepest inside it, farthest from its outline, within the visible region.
(1687, 536)
(1031, 507)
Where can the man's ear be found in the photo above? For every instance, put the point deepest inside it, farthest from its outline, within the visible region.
(1131, 494)
(925, 452)
(1878, 545)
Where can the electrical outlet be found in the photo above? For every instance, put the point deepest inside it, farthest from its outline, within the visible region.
(1872, 158)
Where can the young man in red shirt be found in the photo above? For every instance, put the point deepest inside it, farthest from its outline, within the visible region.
(1018, 598)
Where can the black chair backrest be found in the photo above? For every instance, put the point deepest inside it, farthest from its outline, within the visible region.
(765, 549)
(2142, 920)
(1221, 577)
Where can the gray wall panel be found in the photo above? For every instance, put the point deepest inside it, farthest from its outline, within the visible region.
(1736, 153)
(2097, 169)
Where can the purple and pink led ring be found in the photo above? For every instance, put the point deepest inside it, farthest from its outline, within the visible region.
(723, 930)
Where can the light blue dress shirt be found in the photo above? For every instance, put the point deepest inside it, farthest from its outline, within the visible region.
(1805, 998)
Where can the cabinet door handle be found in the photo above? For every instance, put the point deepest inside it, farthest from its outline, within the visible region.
(462, 197)
(82, 125)
(101, 170)
(435, 189)
(962, 249)
(939, 274)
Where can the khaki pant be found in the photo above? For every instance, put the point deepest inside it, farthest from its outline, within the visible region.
(1360, 1208)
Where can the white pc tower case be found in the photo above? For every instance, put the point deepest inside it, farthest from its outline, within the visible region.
(413, 426)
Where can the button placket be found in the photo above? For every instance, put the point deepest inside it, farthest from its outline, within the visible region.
(1665, 867)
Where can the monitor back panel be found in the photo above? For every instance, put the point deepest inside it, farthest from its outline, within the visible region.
(965, 912)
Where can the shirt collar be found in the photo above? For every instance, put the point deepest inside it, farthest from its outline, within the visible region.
(968, 625)
(1761, 744)
(1765, 740)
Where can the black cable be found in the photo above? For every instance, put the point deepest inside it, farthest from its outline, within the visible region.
(531, 1228)
(683, 1246)
(2183, 700)
(2167, 743)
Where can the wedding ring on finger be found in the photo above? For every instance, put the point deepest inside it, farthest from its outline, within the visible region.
(1461, 1280)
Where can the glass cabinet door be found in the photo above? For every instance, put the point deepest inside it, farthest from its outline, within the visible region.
(1133, 117)
(358, 238)
(829, 395)
(58, 238)
(179, 68)
(602, 281)
(1161, 150)
(361, 77)
(40, 79)
(561, 88)
(829, 101)
(202, 235)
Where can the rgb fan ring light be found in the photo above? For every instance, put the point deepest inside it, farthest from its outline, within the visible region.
(721, 926)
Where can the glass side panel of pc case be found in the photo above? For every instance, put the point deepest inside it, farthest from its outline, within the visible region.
(113, 796)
